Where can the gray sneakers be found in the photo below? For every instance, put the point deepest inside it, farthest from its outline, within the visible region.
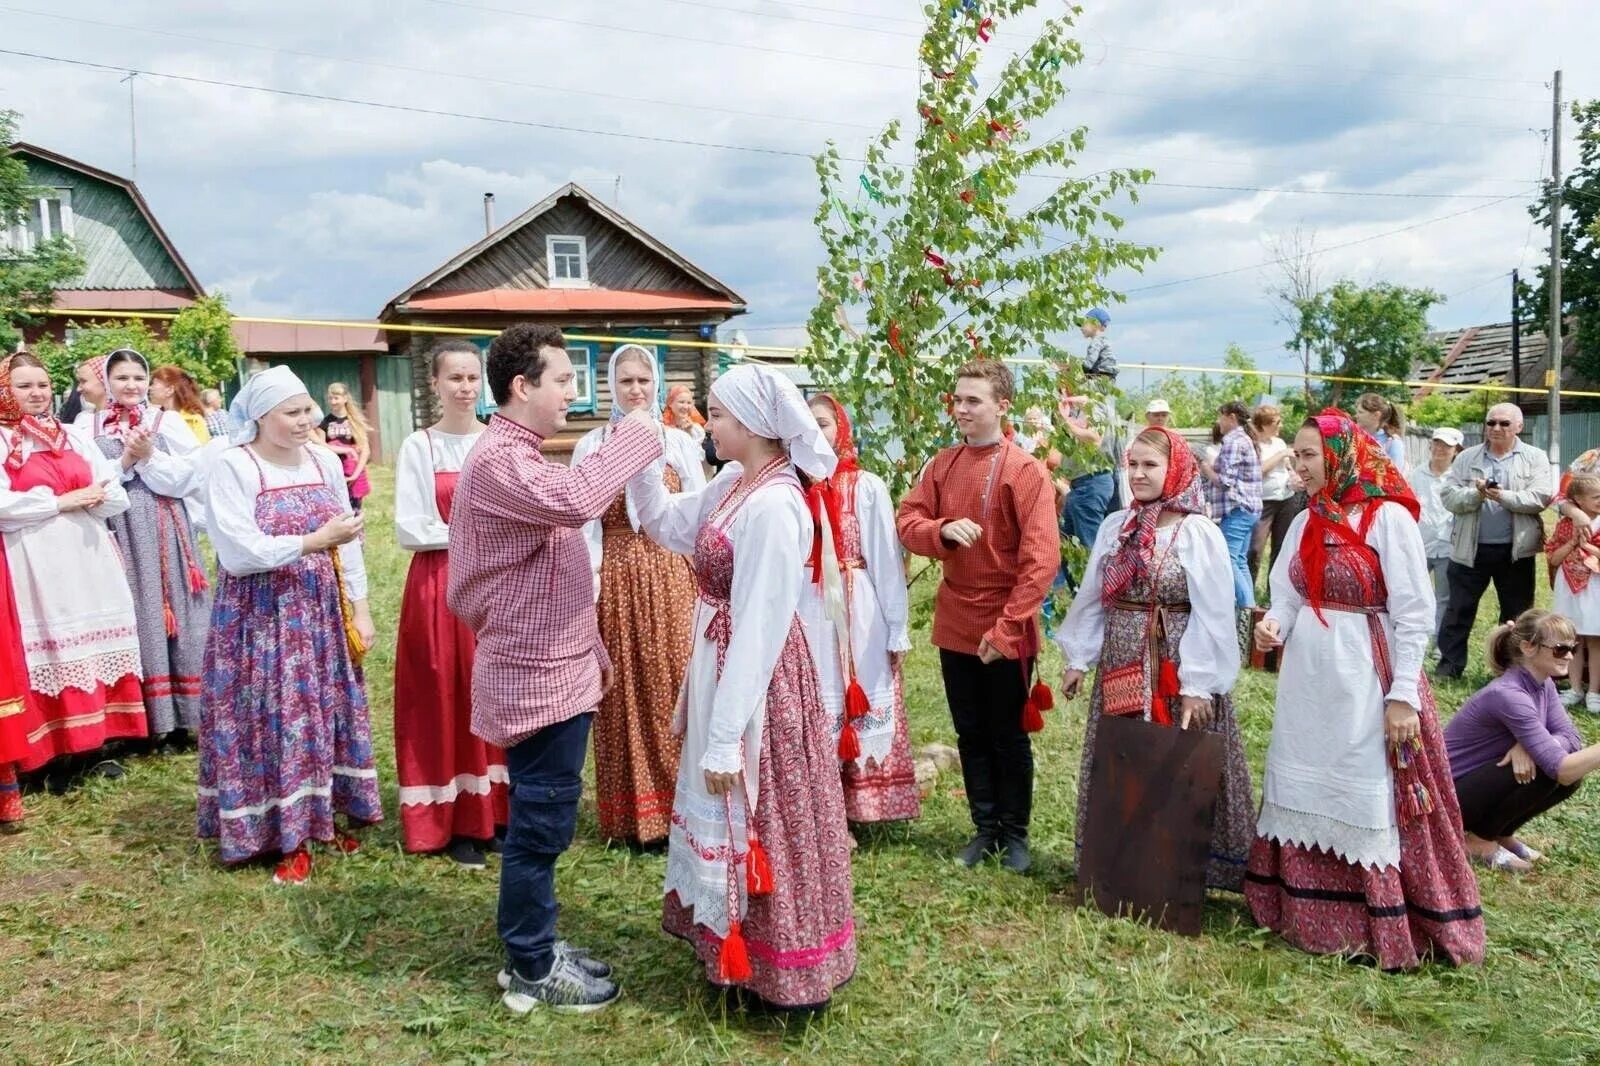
(577, 983)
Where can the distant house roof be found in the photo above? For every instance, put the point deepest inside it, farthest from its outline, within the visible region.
(558, 300)
(1480, 355)
(271, 338)
(693, 289)
(143, 207)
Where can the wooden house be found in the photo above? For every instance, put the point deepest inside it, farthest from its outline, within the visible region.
(131, 264)
(578, 263)
(1479, 355)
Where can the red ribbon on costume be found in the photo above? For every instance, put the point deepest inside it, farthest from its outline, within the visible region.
(121, 416)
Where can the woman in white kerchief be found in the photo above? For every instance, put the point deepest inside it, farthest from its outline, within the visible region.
(758, 859)
(285, 742)
(645, 599)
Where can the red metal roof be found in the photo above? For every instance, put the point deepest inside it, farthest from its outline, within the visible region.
(558, 301)
(123, 299)
(264, 338)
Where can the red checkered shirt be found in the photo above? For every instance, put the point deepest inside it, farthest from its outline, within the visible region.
(520, 577)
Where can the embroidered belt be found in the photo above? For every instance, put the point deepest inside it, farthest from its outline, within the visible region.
(1181, 606)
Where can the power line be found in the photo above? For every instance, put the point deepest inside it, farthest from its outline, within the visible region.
(652, 138)
(1330, 192)
(1370, 73)
(1319, 251)
(431, 71)
(902, 34)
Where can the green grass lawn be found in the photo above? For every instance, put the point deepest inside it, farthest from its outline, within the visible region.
(122, 939)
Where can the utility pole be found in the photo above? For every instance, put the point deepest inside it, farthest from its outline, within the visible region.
(1555, 277)
(1516, 335)
(133, 129)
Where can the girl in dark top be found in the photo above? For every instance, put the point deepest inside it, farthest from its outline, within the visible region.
(345, 430)
(1514, 753)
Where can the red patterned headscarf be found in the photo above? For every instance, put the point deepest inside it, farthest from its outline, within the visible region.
(1358, 473)
(824, 495)
(46, 430)
(1181, 493)
(121, 417)
(844, 441)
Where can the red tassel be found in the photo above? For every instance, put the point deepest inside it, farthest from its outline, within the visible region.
(733, 962)
(849, 744)
(758, 874)
(171, 619)
(1168, 685)
(1159, 714)
(1042, 697)
(1166, 690)
(1032, 716)
(856, 704)
(197, 580)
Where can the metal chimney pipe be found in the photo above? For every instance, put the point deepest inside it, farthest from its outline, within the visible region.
(488, 213)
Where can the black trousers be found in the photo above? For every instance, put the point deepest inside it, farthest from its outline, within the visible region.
(996, 752)
(1513, 584)
(1493, 805)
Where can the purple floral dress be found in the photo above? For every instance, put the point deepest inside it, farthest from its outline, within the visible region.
(285, 743)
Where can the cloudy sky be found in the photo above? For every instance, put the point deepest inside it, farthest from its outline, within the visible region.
(1369, 130)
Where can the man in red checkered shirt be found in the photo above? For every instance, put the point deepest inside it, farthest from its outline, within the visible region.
(520, 578)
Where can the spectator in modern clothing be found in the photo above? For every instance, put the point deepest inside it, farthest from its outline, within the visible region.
(1496, 490)
(1513, 751)
(1282, 495)
(1092, 480)
(1236, 495)
(1385, 421)
(1097, 358)
(216, 417)
(1157, 413)
(1436, 522)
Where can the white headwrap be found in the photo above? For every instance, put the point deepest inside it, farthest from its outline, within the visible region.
(769, 405)
(260, 394)
(635, 352)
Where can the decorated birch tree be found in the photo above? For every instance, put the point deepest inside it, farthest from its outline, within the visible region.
(943, 256)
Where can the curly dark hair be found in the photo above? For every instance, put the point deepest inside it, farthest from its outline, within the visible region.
(519, 351)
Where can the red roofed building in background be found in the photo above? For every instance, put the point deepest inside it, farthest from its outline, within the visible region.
(577, 263)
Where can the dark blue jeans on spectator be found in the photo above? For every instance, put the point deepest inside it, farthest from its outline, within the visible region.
(1086, 510)
(1237, 528)
(546, 773)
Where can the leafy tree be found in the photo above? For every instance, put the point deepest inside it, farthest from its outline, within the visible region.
(199, 340)
(1454, 409)
(26, 280)
(1580, 244)
(945, 258)
(1375, 331)
(1194, 400)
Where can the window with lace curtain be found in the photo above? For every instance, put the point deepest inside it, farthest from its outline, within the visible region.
(47, 216)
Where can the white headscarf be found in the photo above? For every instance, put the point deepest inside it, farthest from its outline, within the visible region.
(635, 352)
(769, 405)
(260, 394)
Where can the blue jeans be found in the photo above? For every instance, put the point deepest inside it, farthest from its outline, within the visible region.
(1237, 527)
(1086, 506)
(546, 773)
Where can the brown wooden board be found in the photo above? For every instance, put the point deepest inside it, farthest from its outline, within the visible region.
(1152, 798)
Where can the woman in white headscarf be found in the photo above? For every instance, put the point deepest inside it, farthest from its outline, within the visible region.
(645, 597)
(285, 742)
(758, 858)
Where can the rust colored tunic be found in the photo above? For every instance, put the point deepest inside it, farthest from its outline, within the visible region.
(647, 597)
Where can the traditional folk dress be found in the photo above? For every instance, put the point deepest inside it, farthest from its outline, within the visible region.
(1360, 850)
(645, 601)
(452, 784)
(285, 742)
(18, 718)
(170, 591)
(860, 677)
(758, 881)
(1155, 611)
(1574, 590)
(79, 637)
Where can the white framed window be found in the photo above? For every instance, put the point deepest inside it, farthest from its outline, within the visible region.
(48, 216)
(583, 376)
(568, 261)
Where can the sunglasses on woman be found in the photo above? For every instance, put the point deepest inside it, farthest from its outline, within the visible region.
(1563, 651)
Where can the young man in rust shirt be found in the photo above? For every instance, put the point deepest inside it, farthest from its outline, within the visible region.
(986, 510)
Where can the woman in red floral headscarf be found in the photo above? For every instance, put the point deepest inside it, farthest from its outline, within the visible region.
(1360, 850)
(1155, 611)
(858, 631)
(71, 595)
